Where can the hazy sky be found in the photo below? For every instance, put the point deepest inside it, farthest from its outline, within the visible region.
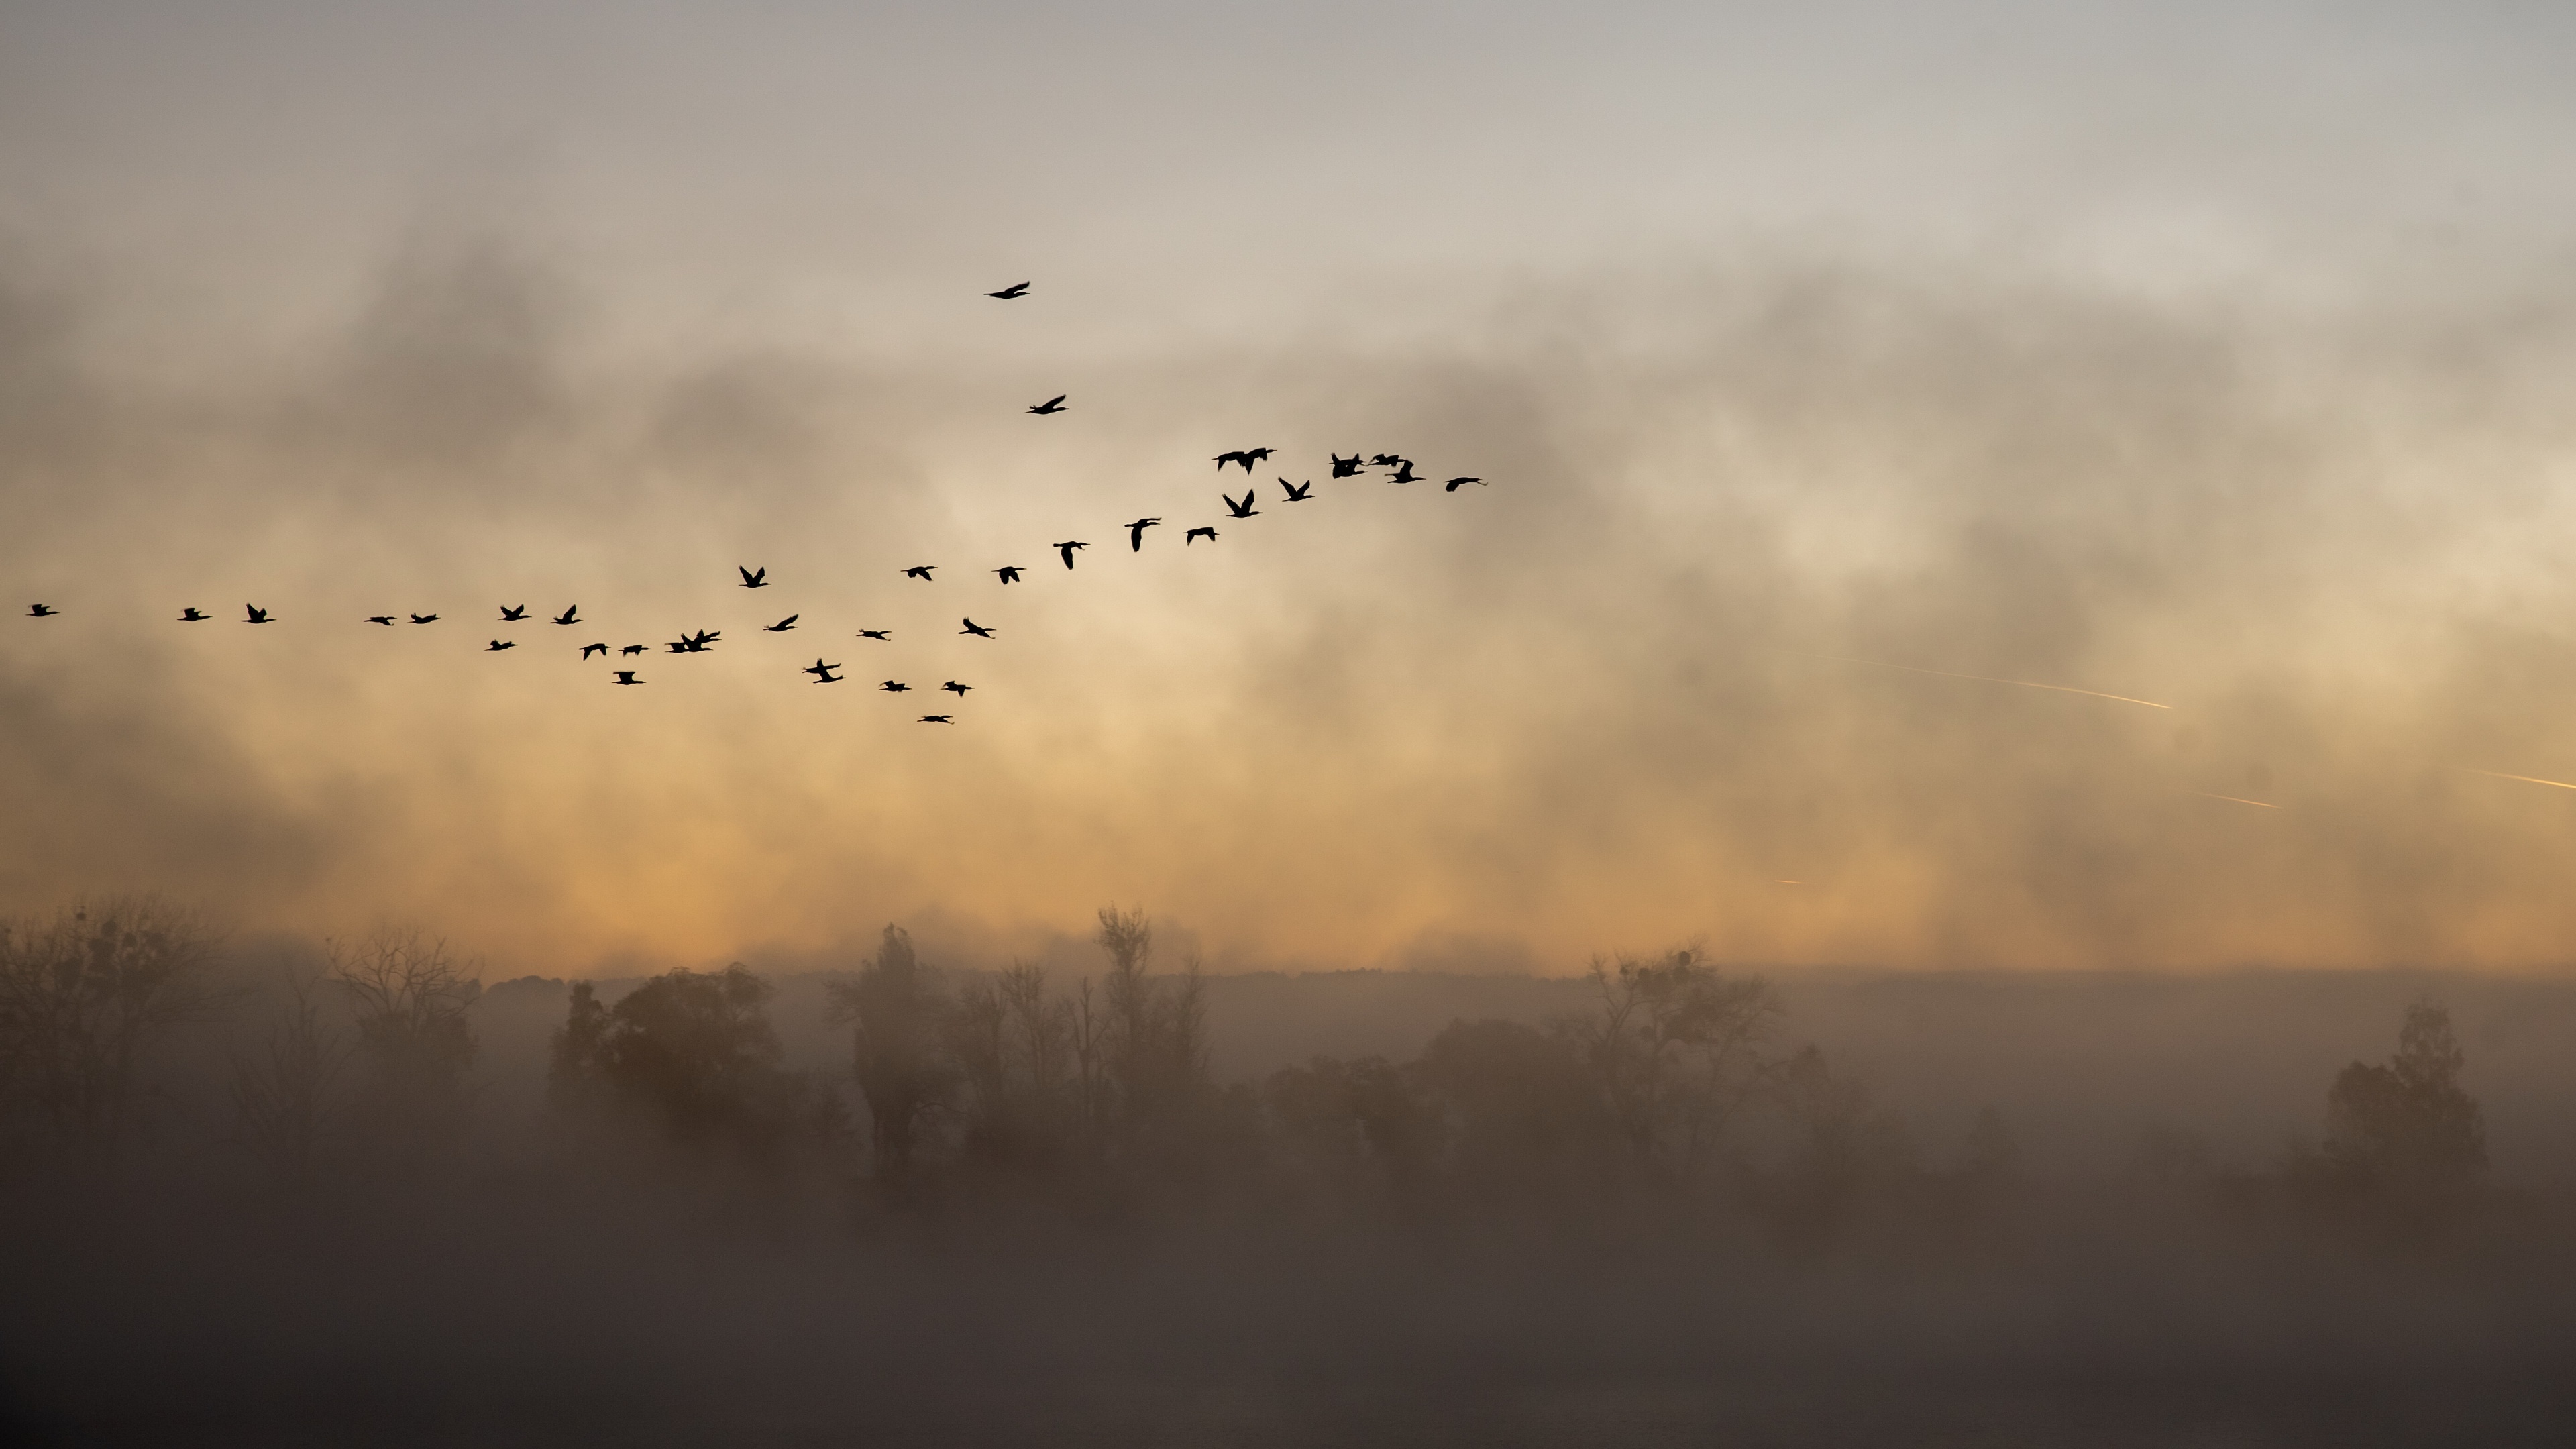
(2212, 356)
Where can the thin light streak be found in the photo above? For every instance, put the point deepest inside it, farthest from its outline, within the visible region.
(2526, 779)
(1984, 678)
(2236, 799)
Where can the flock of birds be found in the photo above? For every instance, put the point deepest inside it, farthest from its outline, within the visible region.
(699, 642)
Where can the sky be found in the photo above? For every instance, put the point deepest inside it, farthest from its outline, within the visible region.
(1836, 373)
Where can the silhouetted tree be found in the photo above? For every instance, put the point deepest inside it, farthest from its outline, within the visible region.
(897, 1016)
(1013, 1049)
(694, 1054)
(1354, 1124)
(1675, 1048)
(2405, 1131)
(1523, 1116)
(1149, 1040)
(82, 996)
(284, 1097)
(414, 1039)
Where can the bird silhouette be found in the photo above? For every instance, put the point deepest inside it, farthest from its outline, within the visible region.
(978, 630)
(253, 615)
(873, 634)
(959, 690)
(424, 618)
(1345, 467)
(1240, 510)
(1136, 534)
(1195, 534)
(569, 616)
(1015, 290)
(753, 578)
(1384, 460)
(1299, 492)
(1009, 574)
(190, 615)
(632, 649)
(783, 625)
(498, 645)
(1235, 455)
(385, 619)
(1454, 484)
(510, 615)
(678, 646)
(627, 676)
(588, 650)
(822, 672)
(1404, 472)
(921, 572)
(894, 686)
(1054, 404)
(936, 719)
(1067, 549)
(42, 611)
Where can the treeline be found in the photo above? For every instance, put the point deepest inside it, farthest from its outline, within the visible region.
(1677, 1091)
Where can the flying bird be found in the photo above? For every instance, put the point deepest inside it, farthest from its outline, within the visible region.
(1454, 484)
(1136, 534)
(569, 616)
(41, 611)
(251, 615)
(500, 644)
(678, 646)
(385, 619)
(936, 719)
(1054, 404)
(873, 634)
(921, 572)
(1345, 467)
(783, 625)
(1385, 460)
(588, 650)
(1010, 574)
(959, 690)
(632, 649)
(822, 672)
(424, 618)
(1246, 456)
(978, 630)
(1195, 534)
(1298, 492)
(1404, 472)
(894, 686)
(1067, 549)
(1243, 509)
(190, 615)
(753, 578)
(627, 676)
(511, 616)
(1011, 292)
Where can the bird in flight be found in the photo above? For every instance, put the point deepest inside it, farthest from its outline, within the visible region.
(1054, 404)
(632, 649)
(783, 625)
(627, 676)
(1011, 292)
(921, 572)
(1246, 456)
(191, 615)
(1404, 472)
(822, 672)
(959, 690)
(1454, 484)
(1345, 467)
(894, 686)
(588, 650)
(569, 616)
(1298, 492)
(873, 634)
(1136, 534)
(42, 611)
(1385, 460)
(753, 578)
(1067, 549)
(511, 616)
(936, 719)
(385, 619)
(1195, 534)
(1009, 574)
(678, 646)
(500, 644)
(978, 630)
(251, 615)
(1239, 510)
(424, 618)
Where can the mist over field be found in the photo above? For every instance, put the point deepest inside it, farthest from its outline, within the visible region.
(1880, 755)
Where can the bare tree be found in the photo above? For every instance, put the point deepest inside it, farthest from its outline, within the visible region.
(410, 997)
(82, 996)
(1675, 1048)
(284, 1098)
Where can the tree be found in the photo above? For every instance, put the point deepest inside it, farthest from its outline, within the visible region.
(284, 1102)
(694, 1054)
(2405, 1130)
(414, 1038)
(1675, 1048)
(82, 997)
(896, 1015)
(1013, 1047)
